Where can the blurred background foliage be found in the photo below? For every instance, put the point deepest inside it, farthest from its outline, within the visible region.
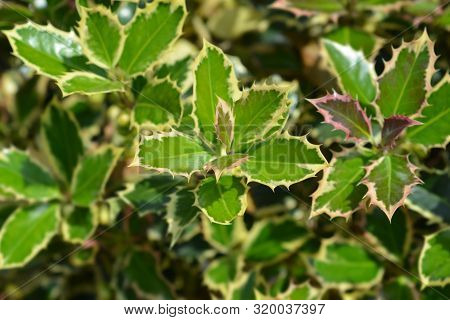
(275, 250)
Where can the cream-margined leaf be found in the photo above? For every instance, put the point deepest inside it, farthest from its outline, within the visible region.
(151, 31)
(26, 232)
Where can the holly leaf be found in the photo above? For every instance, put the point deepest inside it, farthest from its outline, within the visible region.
(151, 193)
(142, 271)
(391, 239)
(257, 113)
(272, 240)
(62, 140)
(345, 114)
(355, 74)
(214, 78)
(283, 160)
(357, 39)
(389, 180)
(407, 78)
(172, 152)
(91, 175)
(329, 6)
(87, 83)
(46, 49)
(26, 232)
(222, 200)
(345, 265)
(431, 204)
(225, 163)
(434, 261)
(23, 177)
(101, 36)
(181, 212)
(435, 118)
(340, 193)
(224, 124)
(79, 225)
(162, 21)
(158, 106)
(221, 273)
(393, 127)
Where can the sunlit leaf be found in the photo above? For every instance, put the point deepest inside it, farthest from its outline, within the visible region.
(346, 114)
(101, 35)
(345, 265)
(87, 83)
(22, 176)
(389, 180)
(214, 79)
(91, 175)
(434, 262)
(26, 232)
(162, 21)
(406, 78)
(355, 74)
(172, 152)
(158, 106)
(222, 200)
(434, 130)
(283, 160)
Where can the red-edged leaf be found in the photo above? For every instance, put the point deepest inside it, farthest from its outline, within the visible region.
(393, 128)
(344, 113)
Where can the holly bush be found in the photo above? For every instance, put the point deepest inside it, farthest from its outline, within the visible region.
(224, 149)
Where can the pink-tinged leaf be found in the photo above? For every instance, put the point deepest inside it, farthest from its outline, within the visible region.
(344, 113)
(225, 163)
(389, 180)
(393, 128)
(224, 123)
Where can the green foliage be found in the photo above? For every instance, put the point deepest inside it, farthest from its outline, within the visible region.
(164, 168)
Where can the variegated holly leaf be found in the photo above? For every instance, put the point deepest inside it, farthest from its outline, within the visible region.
(257, 113)
(435, 129)
(79, 224)
(389, 180)
(330, 6)
(225, 163)
(91, 175)
(152, 193)
(23, 177)
(357, 39)
(101, 35)
(271, 240)
(143, 272)
(283, 160)
(345, 265)
(172, 152)
(162, 21)
(340, 193)
(346, 114)
(392, 238)
(26, 232)
(224, 124)
(222, 200)
(355, 74)
(62, 139)
(87, 83)
(46, 49)
(406, 78)
(158, 106)
(434, 261)
(393, 127)
(224, 237)
(180, 212)
(214, 78)
(431, 202)
(222, 273)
